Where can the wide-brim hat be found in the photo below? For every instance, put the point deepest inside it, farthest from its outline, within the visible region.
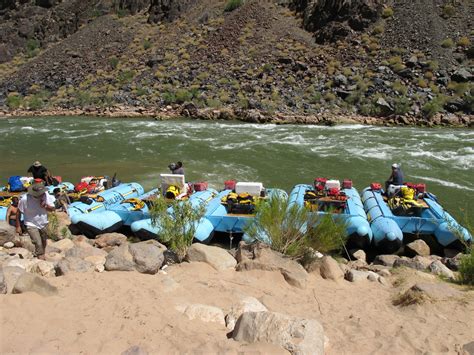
(37, 163)
(395, 166)
(37, 190)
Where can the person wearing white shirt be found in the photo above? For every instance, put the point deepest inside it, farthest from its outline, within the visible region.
(35, 206)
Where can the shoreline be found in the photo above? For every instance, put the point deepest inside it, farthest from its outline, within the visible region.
(250, 116)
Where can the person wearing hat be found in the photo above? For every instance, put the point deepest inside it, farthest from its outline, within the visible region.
(396, 177)
(40, 172)
(34, 206)
(177, 168)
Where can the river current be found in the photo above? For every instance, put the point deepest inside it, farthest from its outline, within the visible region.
(278, 156)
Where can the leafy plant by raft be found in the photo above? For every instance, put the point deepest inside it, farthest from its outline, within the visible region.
(177, 222)
(295, 231)
(466, 263)
(231, 5)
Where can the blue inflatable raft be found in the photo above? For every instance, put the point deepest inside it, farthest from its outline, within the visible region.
(103, 201)
(218, 219)
(144, 229)
(115, 217)
(351, 213)
(428, 218)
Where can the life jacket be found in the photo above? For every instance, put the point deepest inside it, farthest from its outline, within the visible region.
(15, 184)
(81, 187)
(172, 192)
(136, 203)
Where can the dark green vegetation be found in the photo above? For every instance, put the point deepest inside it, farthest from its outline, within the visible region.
(295, 231)
(365, 57)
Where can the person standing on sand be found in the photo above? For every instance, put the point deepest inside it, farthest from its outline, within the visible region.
(35, 205)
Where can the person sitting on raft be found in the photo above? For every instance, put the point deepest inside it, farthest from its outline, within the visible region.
(40, 172)
(396, 178)
(62, 200)
(177, 168)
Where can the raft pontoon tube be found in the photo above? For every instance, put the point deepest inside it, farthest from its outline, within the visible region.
(389, 228)
(144, 229)
(122, 214)
(105, 200)
(353, 216)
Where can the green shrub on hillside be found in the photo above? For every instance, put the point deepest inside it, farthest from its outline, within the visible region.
(447, 43)
(387, 12)
(448, 11)
(231, 5)
(434, 106)
(14, 100)
(32, 47)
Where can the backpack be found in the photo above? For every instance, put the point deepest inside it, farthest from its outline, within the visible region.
(15, 184)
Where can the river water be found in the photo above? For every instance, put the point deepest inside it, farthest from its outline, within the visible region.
(278, 156)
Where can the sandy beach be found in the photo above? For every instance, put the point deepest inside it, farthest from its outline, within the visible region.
(107, 313)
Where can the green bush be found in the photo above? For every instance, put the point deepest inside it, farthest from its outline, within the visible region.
(113, 61)
(466, 268)
(466, 264)
(387, 12)
(293, 230)
(448, 11)
(183, 95)
(146, 44)
(402, 105)
(14, 101)
(177, 222)
(32, 47)
(231, 5)
(125, 76)
(447, 43)
(434, 106)
(168, 97)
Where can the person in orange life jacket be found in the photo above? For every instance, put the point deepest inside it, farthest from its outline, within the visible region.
(35, 205)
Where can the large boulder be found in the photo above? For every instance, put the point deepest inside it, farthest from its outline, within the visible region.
(297, 335)
(119, 259)
(417, 247)
(63, 244)
(330, 269)
(259, 256)
(417, 263)
(33, 283)
(147, 256)
(35, 266)
(203, 312)
(217, 257)
(247, 304)
(386, 260)
(356, 275)
(72, 264)
(110, 240)
(328, 18)
(85, 250)
(11, 275)
(438, 268)
(7, 233)
(167, 10)
(3, 284)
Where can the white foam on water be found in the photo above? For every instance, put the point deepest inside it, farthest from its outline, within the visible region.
(379, 152)
(445, 183)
